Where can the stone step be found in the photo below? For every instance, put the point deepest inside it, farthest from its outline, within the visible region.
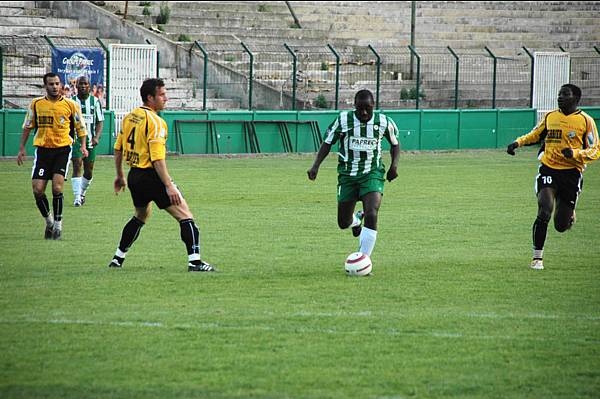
(30, 12)
(223, 13)
(239, 7)
(38, 21)
(196, 104)
(281, 34)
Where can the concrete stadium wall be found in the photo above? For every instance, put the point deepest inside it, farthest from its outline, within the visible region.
(419, 129)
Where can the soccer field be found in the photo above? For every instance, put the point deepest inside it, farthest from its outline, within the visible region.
(452, 308)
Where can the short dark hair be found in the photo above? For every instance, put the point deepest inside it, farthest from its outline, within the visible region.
(574, 89)
(149, 88)
(50, 75)
(364, 94)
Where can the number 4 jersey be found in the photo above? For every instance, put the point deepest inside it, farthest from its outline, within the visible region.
(142, 138)
(360, 143)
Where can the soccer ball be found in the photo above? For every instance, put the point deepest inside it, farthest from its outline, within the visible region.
(358, 264)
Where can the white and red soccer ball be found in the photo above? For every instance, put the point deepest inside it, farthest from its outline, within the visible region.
(358, 264)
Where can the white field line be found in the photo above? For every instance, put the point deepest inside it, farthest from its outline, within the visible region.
(299, 330)
(475, 315)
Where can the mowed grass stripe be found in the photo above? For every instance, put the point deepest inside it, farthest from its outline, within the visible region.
(452, 309)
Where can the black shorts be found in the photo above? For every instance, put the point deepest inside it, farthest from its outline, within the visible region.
(50, 161)
(566, 182)
(145, 186)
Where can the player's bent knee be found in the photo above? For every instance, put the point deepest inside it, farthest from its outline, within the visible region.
(344, 224)
(562, 227)
(544, 215)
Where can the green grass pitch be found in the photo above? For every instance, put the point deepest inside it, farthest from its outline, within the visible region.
(452, 309)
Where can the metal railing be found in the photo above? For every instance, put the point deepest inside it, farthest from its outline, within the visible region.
(25, 59)
(323, 77)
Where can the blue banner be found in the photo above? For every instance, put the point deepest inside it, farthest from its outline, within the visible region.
(71, 63)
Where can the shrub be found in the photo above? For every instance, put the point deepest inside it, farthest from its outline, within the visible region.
(145, 4)
(410, 94)
(263, 8)
(183, 38)
(146, 10)
(321, 102)
(324, 66)
(164, 14)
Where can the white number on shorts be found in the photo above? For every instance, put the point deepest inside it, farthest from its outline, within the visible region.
(41, 172)
(547, 179)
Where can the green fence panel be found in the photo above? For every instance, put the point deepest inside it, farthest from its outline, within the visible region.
(594, 112)
(409, 127)
(323, 118)
(13, 125)
(12, 122)
(107, 140)
(2, 135)
(477, 128)
(513, 123)
(439, 129)
(269, 135)
(230, 136)
(191, 134)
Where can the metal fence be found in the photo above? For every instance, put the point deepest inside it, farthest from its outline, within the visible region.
(324, 77)
(585, 73)
(24, 60)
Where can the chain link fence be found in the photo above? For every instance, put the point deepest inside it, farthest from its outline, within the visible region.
(26, 59)
(585, 73)
(262, 77)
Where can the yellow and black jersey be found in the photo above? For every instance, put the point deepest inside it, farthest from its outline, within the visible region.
(559, 131)
(57, 122)
(142, 138)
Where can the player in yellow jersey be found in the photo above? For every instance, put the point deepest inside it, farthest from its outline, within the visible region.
(570, 142)
(142, 144)
(57, 119)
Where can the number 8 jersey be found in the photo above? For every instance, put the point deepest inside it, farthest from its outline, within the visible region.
(142, 138)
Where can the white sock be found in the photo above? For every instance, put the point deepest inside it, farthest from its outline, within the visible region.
(58, 225)
(85, 183)
(120, 253)
(355, 221)
(367, 240)
(49, 220)
(538, 253)
(76, 183)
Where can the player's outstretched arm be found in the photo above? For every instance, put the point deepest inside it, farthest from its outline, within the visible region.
(512, 147)
(392, 172)
(321, 155)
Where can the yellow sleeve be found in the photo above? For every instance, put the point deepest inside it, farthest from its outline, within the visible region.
(592, 150)
(30, 119)
(157, 137)
(535, 135)
(78, 118)
(118, 144)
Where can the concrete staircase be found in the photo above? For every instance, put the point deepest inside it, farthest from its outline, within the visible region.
(27, 57)
(26, 54)
(467, 26)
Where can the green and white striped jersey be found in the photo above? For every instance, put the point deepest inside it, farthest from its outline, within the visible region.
(91, 109)
(360, 143)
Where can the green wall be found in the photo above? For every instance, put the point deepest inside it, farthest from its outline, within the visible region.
(418, 129)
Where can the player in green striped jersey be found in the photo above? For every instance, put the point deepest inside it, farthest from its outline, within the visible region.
(360, 168)
(93, 116)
